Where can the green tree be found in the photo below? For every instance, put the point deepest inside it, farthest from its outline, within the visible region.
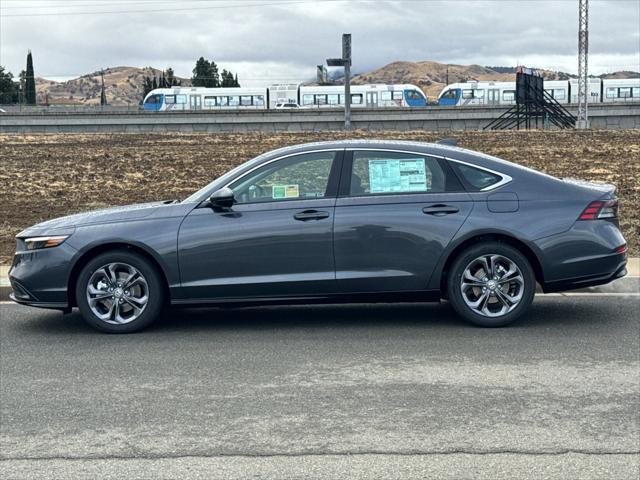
(205, 74)
(8, 88)
(30, 82)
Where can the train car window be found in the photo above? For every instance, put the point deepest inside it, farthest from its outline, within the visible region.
(449, 95)
(624, 92)
(356, 98)
(333, 99)
(635, 92)
(245, 100)
(509, 95)
(153, 99)
(385, 95)
(307, 99)
(234, 101)
(258, 100)
(169, 99)
(209, 101)
(413, 95)
(478, 94)
(181, 99)
(558, 94)
(612, 92)
(321, 99)
(222, 101)
(467, 94)
(397, 95)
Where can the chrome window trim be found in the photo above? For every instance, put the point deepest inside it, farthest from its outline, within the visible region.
(503, 176)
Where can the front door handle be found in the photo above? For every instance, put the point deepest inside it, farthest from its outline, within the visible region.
(440, 210)
(311, 215)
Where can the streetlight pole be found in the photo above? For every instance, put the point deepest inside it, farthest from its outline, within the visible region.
(345, 62)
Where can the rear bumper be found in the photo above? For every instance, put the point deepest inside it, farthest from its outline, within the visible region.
(617, 269)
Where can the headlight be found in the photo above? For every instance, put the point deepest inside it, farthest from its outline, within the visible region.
(36, 243)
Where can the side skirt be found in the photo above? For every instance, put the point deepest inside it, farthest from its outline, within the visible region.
(369, 297)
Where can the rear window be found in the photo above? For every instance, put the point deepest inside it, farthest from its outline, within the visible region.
(475, 178)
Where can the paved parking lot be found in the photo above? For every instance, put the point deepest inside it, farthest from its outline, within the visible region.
(405, 391)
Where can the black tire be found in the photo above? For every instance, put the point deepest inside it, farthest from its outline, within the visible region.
(469, 255)
(154, 285)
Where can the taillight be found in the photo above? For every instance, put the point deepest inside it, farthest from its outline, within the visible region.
(600, 209)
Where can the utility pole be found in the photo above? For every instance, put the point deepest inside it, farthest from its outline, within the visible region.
(103, 96)
(582, 121)
(345, 62)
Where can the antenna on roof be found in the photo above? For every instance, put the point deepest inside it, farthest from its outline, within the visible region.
(448, 141)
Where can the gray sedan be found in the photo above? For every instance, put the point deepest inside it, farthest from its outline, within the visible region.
(346, 221)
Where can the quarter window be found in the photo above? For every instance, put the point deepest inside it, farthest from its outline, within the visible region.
(476, 178)
(301, 177)
(379, 173)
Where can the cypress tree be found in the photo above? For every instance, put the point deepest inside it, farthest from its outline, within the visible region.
(30, 82)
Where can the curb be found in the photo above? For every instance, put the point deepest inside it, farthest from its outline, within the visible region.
(628, 284)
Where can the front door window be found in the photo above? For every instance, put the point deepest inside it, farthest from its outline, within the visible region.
(300, 177)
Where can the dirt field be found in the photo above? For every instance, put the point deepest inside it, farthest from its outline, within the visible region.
(45, 176)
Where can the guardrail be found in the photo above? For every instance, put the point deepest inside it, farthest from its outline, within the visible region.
(433, 118)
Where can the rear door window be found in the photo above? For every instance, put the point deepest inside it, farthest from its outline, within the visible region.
(380, 173)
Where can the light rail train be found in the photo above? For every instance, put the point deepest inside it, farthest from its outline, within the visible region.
(563, 91)
(274, 96)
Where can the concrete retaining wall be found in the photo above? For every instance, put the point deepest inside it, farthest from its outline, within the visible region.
(430, 118)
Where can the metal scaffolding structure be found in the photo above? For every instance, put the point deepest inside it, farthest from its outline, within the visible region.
(583, 57)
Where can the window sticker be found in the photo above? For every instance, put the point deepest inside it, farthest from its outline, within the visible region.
(395, 175)
(285, 191)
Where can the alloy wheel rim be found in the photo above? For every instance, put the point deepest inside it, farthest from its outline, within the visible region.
(492, 285)
(117, 293)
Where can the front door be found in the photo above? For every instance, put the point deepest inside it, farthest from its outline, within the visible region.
(277, 240)
(395, 216)
(195, 102)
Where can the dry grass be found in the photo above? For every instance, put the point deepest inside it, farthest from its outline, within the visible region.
(45, 176)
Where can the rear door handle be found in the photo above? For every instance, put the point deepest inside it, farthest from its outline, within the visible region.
(440, 210)
(311, 215)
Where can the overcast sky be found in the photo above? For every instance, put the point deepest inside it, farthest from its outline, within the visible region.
(282, 40)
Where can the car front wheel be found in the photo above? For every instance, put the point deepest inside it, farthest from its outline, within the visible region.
(119, 292)
(491, 284)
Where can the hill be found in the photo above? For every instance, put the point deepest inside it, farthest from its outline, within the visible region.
(123, 86)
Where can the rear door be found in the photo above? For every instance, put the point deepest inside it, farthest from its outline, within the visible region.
(396, 213)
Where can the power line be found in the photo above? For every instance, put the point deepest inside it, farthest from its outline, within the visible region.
(174, 10)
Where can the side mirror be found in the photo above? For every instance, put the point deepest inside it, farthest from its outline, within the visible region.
(222, 198)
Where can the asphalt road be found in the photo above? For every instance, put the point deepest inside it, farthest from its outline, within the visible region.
(405, 391)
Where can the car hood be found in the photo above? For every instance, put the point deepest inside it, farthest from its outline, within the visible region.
(106, 215)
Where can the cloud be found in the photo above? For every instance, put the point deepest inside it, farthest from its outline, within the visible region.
(284, 41)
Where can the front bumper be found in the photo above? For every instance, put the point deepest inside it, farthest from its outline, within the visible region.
(40, 277)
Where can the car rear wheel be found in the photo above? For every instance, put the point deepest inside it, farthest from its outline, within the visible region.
(119, 292)
(491, 284)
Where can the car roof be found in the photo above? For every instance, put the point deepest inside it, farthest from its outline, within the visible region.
(423, 147)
